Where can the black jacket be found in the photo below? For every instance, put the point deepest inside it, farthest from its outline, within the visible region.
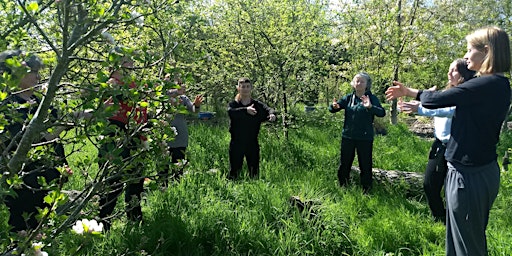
(244, 128)
(358, 124)
(17, 113)
(481, 104)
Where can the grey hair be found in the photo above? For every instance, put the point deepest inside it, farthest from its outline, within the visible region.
(366, 77)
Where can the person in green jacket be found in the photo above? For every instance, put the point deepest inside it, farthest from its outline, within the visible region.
(361, 106)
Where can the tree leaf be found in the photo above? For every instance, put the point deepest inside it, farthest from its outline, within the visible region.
(33, 6)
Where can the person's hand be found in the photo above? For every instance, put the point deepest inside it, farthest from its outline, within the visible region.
(366, 101)
(335, 104)
(198, 100)
(409, 107)
(251, 110)
(396, 91)
(271, 117)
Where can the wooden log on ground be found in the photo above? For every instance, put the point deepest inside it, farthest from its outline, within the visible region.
(411, 181)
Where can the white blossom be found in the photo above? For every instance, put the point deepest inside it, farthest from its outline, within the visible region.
(36, 247)
(87, 226)
(174, 130)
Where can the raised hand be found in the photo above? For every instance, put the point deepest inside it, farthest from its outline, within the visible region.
(396, 91)
(366, 101)
(271, 117)
(335, 104)
(198, 100)
(409, 107)
(251, 110)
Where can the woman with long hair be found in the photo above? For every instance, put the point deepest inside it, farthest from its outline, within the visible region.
(482, 104)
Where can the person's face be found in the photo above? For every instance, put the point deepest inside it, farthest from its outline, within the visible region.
(30, 79)
(453, 74)
(474, 58)
(359, 84)
(244, 89)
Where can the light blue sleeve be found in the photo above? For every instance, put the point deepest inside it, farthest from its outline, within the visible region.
(439, 112)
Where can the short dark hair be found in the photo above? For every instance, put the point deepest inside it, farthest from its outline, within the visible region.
(462, 68)
(244, 80)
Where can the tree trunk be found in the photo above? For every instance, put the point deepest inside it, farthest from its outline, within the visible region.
(35, 125)
(398, 50)
(285, 102)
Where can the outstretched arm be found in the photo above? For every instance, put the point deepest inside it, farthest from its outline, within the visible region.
(399, 90)
(338, 105)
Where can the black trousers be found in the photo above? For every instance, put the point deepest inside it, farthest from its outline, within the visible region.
(28, 199)
(364, 149)
(177, 154)
(433, 183)
(237, 151)
(131, 176)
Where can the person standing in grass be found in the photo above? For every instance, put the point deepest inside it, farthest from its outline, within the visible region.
(123, 135)
(482, 104)
(17, 109)
(435, 172)
(246, 115)
(179, 144)
(360, 106)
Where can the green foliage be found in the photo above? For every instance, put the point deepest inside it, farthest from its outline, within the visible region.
(205, 214)
(395, 157)
(296, 52)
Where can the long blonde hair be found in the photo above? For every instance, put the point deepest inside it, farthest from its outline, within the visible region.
(497, 58)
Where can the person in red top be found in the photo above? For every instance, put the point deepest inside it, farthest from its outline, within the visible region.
(123, 136)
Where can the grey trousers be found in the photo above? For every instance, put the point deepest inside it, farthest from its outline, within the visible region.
(470, 193)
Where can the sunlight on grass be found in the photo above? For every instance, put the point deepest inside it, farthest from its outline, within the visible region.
(205, 214)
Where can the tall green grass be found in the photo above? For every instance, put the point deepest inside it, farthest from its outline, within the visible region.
(205, 214)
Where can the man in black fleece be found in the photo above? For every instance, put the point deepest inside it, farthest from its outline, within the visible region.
(246, 115)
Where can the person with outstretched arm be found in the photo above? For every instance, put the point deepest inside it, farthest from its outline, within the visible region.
(482, 103)
(437, 166)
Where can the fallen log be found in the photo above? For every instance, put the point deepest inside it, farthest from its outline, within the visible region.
(411, 181)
